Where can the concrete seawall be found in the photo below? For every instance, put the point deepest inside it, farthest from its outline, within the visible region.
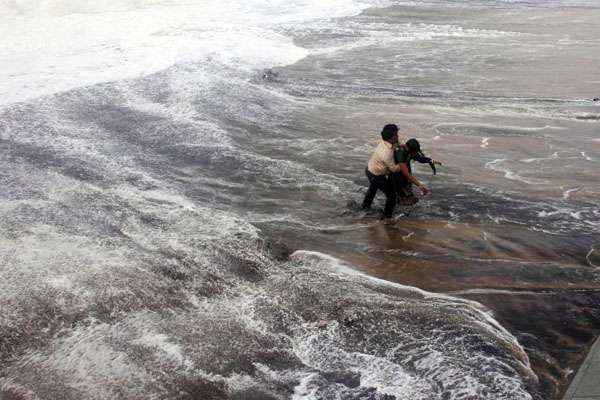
(586, 384)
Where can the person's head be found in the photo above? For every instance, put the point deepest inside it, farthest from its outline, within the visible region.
(390, 133)
(413, 146)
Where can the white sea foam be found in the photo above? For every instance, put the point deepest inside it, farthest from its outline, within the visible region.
(161, 342)
(567, 193)
(465, 128)
(320, 350)
(339, 266)
(496, 165)
(305, 390)
(86, 360)
(56, 45)
(554, 156)
(573, 214)
(318, 347)
(384, 34)
(95, 41)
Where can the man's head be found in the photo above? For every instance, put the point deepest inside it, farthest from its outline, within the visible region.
(390, 133)
(413, 146)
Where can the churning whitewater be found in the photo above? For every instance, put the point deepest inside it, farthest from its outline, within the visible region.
(172, 215)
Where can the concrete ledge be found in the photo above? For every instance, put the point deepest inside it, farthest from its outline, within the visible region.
(586, 384)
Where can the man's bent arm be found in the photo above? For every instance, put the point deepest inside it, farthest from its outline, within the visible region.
(395, 168)
(392, 166)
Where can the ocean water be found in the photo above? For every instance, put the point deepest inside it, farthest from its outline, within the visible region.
(176, 174)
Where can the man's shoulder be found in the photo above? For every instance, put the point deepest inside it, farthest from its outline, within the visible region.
(383, 147)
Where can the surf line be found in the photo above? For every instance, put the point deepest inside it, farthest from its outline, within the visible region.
(585, 156)
(567, 193)
(508, 174)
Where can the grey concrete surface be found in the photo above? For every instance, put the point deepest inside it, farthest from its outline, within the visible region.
(586, 384)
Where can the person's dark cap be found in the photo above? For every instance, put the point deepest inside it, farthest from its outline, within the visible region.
(413, 145)
(389, 131)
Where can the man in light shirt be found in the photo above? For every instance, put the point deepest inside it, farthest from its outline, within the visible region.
(380, 166)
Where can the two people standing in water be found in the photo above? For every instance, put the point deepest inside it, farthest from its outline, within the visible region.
(389, 170)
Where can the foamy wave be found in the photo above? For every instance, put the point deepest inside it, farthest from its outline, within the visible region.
(386, 370)
(459, 128)
(363, 34)
(496, 165)
(95, 41)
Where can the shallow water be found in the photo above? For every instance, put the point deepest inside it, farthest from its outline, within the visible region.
(174, 219)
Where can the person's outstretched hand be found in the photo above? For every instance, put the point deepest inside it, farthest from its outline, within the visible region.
(424, 190)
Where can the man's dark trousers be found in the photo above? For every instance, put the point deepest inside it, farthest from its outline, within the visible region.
(380, 182)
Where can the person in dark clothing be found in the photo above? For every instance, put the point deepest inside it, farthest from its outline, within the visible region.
(403, 180)
(380, 166)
